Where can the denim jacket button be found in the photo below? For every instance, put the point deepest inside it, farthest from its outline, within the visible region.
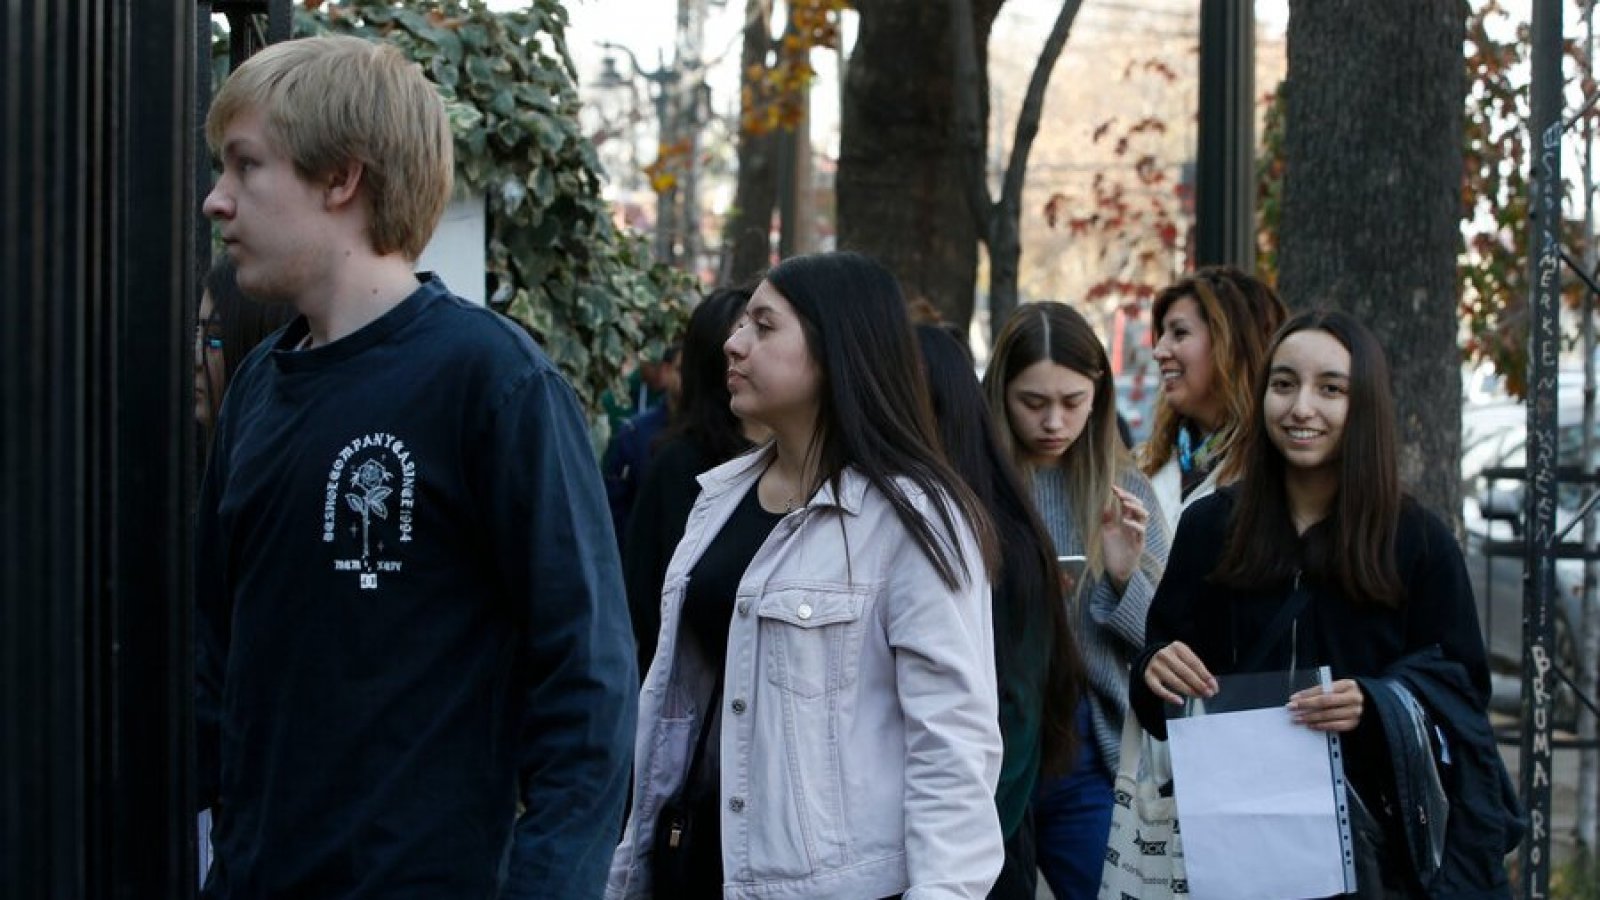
(736, 804)
(804, 612)
(739, 706)
(744, 607)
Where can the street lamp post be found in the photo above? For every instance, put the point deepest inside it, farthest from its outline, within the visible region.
(1225, 188)
(663, 83)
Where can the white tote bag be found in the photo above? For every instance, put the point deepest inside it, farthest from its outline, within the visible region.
(1144, 854)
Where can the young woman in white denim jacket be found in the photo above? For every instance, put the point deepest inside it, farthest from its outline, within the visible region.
(855, 745)
(1211, 333)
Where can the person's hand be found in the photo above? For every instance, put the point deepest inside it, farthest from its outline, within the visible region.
(1175, 672)
(1337, 710)
(1122, 528)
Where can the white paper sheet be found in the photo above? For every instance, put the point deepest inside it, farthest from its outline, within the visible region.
(1256, 807)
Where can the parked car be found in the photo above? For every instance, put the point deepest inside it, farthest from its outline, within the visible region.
(1495, 437)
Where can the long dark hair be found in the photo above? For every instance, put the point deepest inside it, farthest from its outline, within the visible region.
(1053, 332)
(703, 417)
(874, 415)
(1242, 313)
(1356, 552)
(1028, 586)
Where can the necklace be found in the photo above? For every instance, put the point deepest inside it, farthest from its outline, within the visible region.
(789, 502)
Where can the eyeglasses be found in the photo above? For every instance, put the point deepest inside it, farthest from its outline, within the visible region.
(204, 338)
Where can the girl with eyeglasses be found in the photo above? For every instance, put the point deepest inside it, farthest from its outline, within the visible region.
(228, 327)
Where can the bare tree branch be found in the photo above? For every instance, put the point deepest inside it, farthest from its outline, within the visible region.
(1004, 227)
(1033, 102)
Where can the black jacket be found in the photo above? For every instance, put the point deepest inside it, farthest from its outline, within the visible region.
(1220, 623)
(1485, 820)
(667, 491)
(1357, 641)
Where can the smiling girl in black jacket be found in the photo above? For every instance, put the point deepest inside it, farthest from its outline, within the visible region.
(1320, 510)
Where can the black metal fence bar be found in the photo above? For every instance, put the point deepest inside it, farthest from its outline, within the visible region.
(1545, 131)
(1582, 697)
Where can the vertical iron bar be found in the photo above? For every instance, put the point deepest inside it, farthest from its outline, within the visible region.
(280, 21)
(1545, 129)
(202, 157)
(147, 383)
(48, 68)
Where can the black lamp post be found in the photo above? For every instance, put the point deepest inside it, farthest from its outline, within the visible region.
(663, 83)
(1225, 180)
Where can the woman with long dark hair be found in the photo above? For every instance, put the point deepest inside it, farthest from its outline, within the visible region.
(1049, 383)
(1211, 333)
(1036, 660)
(820, 718)
(1316, 557)
(228, 327)
(703, 433)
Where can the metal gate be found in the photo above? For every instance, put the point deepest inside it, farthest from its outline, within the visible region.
(99, 183)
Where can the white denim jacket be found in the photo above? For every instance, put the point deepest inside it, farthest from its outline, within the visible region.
(860, 744)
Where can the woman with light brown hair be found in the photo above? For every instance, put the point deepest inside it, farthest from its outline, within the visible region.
(1049, 387)
(1212, 330)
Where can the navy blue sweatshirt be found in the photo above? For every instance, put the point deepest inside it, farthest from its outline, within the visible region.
(414, 663)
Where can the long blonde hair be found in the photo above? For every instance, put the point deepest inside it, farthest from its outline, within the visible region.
(1242, 313)
(1054, 332)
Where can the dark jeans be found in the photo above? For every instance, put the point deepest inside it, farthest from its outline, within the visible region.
(1072, 819)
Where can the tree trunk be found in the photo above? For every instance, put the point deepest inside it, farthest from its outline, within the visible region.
(748, 239)
(1371, 202)
(902, 184)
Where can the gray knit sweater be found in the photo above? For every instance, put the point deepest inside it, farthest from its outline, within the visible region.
(1109, 629)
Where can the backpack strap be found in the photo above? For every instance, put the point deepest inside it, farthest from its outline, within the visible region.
(1275, 630)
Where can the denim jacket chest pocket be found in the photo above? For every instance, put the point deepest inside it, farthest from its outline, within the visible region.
(810, 636)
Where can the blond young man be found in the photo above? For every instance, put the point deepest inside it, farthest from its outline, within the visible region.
(415, 675)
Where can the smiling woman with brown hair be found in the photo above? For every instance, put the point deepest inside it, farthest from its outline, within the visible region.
(1211, 335)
